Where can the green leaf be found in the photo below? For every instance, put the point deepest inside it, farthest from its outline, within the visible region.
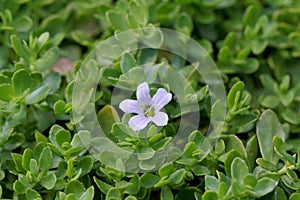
(199, 170)
(85, 164)
(48, 59)
(270, 101)
(230, 156)
(37, 80)
(266, 164)
(113, 194)
(17, 118)
(210, 195)
(32, 194)
(249, 180)
(59, 107)
(161, 144)
(111, 159)
(184, 23)
(5, 134)
(5, 79)
(62, 136)
(267, 127)
(117, 20)
(151, 72)
(71, 197)
(135, 186)
(293, 175)
(121, 185)
(243, 120)
(147, 164)
(233, 94)
(258, 46)
(21, 81)
(104, 187)
(279, 148)
(295, 196)
(145, 153)
(166, 170)
(22, 24)
(37, 95)
(7, 92)
(264, 186)
(285, 83)
(166, 193)
(128, 62)
(138, 15)
(219, 146)
(177, 177)
(269, 83)
(42, 39)
(298, 158)
(39, 137)
(279, 194)
(132, 79)
(166, 12)
(17, 158)
(70, 168)
(232, 142)
(239, 169)
(225, 3)
(75, 187)
(290, 182)
(251, 15)
(290, 116)
(33, 166)
(122, 132)
(73, 150)
(62, 195)
(2, 176)
(147, 56)
(45, 160)
(225, 54)
(107, 116)
(15, 140)
(218, 113)
(286, 98)
(130, 198)
(48, 180)
(20, 48)
(88, 194)
(19, 187)
(148, 180)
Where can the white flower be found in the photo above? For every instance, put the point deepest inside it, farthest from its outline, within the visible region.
(146, 108)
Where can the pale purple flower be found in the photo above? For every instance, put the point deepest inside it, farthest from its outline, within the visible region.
(146, 108)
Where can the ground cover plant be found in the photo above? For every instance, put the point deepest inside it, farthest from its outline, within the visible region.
(236, 111)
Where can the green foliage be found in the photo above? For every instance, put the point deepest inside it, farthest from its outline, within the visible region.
(44, 155)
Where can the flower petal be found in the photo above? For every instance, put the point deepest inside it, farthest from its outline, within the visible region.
(138, 122)
(129, 106)
(143, 94)
(161, 98)
(160, 119)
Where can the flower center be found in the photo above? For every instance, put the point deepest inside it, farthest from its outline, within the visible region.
(148, 110)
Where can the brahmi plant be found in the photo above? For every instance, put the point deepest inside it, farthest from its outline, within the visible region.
(149, 99)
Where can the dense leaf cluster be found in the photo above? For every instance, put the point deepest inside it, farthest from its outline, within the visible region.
(255, 45)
